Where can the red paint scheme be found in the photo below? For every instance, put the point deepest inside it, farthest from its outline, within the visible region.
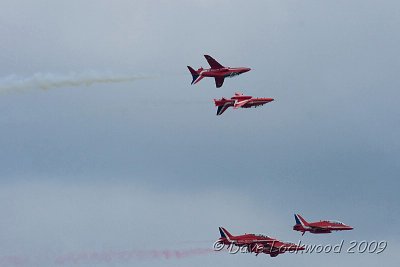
(239, 101)
(257, 243)
(216, 71)
(321, 227)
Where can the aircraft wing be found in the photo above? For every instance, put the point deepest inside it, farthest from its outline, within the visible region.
(239, 104)
(277, 245)
(258, 104)
(324, 229)
(213, 63)
(219, 81)
(273, 247)
(266, 242)
(319, 227)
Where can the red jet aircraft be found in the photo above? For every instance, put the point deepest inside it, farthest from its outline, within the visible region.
(257, 243)
(217, 71)
(239, 101)
(321, 227)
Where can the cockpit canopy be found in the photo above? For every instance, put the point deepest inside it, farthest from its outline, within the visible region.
(263, 236)
(334, 222)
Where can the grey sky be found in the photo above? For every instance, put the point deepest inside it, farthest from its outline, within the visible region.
(147, 164)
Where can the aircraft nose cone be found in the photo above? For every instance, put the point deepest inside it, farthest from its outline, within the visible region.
(247, 69)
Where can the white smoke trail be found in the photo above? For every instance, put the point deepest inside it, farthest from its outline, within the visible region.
(48, 81)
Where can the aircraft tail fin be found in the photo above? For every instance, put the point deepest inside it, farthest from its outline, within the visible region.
(221, 109)
(222, 105)
(300, 220)
(224, 233)
(194, 73)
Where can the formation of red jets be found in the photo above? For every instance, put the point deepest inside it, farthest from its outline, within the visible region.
(264, 244)
(256, 243)
(219, 73)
